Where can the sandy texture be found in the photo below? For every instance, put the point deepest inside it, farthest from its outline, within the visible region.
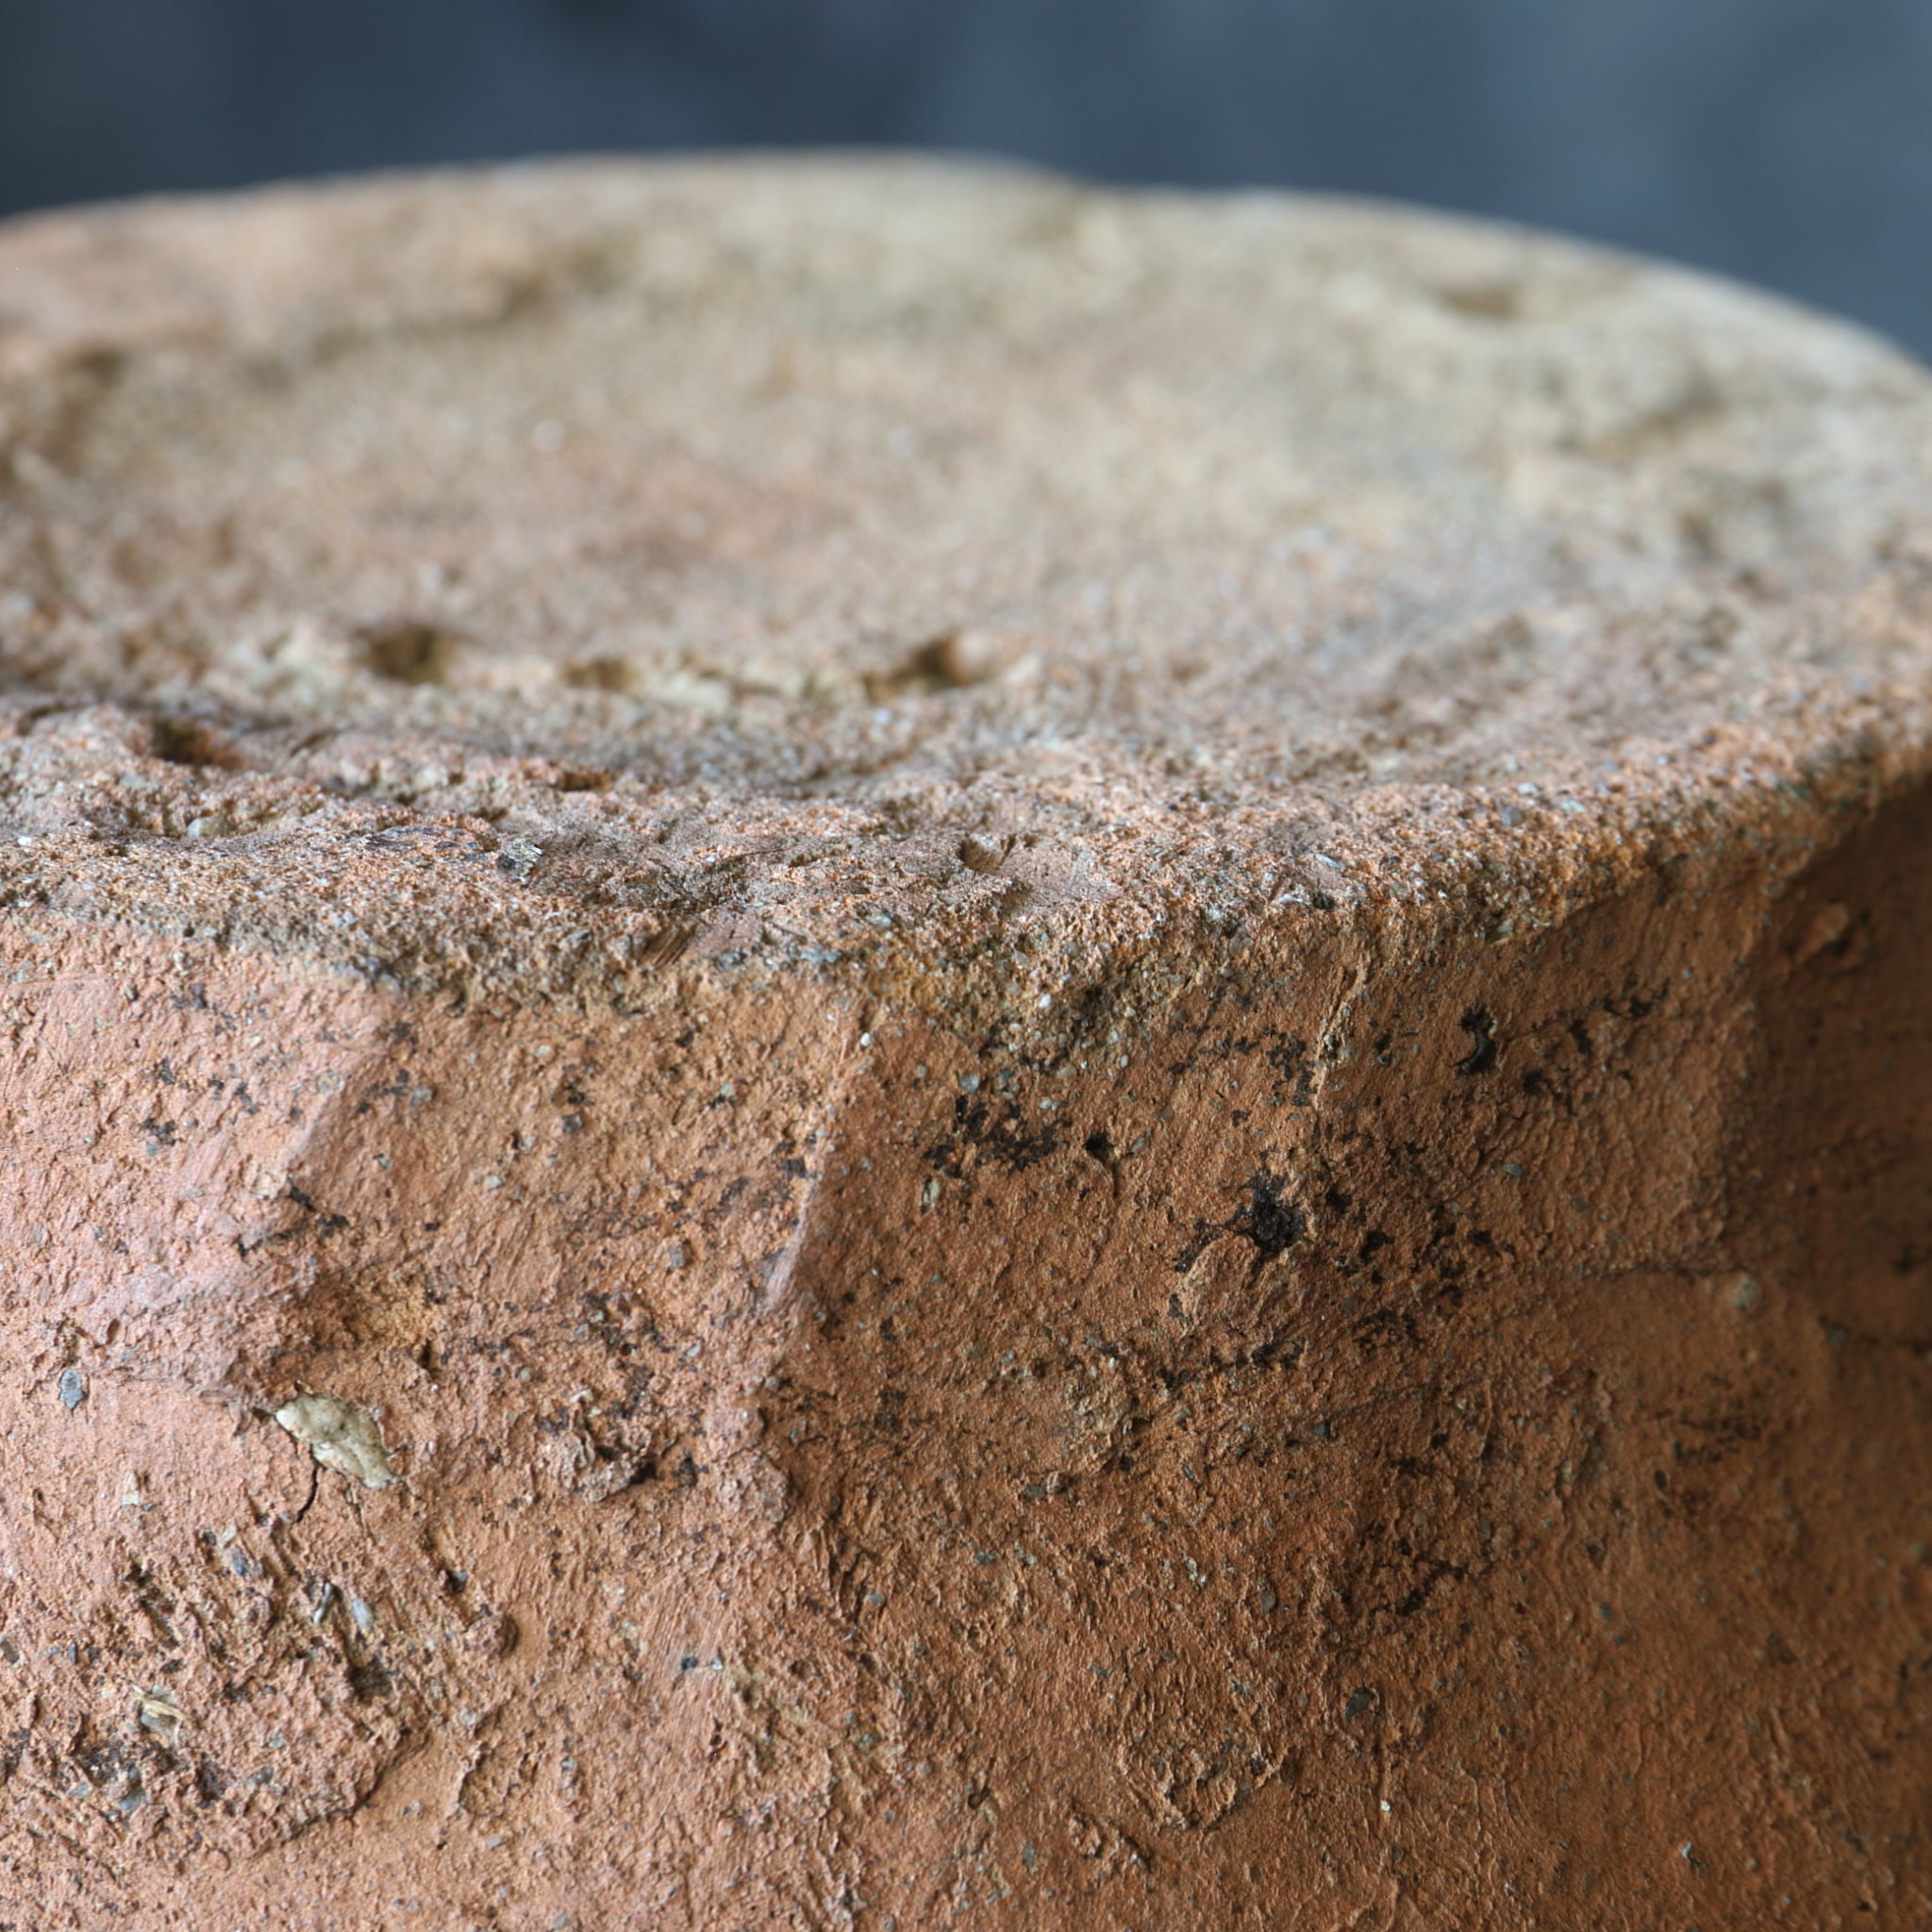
(887, 1044)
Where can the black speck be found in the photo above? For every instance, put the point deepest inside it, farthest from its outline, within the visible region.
(1268, 1220)
(369, 1680)
(1481, 1056)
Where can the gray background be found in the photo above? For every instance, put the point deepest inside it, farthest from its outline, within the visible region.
(1789, 141)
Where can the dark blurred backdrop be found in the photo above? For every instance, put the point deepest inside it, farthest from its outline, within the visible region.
(1789, 141)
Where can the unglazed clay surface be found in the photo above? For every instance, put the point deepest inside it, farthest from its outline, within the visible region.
(884, 1045)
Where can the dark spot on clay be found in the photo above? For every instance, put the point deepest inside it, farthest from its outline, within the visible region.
(1632, 1009)
(371, 1680)
(1362, 1700)
(405, 650)
(1433, 1570)
(1383, 1329)
(600, 673)
(1481, 1056)
(103, 1759)
(1288, 1056)
(1286, 1353)
(1099, 1146)
(1003, 1137)
(978, 855)
(193, 741)
(955, 660)
(1484, 301)
(1270, 1221)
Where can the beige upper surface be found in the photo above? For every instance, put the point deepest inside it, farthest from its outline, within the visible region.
(553, 571)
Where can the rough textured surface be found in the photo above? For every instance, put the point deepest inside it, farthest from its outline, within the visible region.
(884, 1044)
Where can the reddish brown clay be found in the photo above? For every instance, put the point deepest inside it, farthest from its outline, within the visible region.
(885, 1046)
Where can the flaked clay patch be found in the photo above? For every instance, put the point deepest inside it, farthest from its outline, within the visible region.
(342, 1435)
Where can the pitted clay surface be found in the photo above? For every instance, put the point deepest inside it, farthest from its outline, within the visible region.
(767, 554)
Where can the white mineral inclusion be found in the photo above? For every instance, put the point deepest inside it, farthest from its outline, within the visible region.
(343, 1435)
